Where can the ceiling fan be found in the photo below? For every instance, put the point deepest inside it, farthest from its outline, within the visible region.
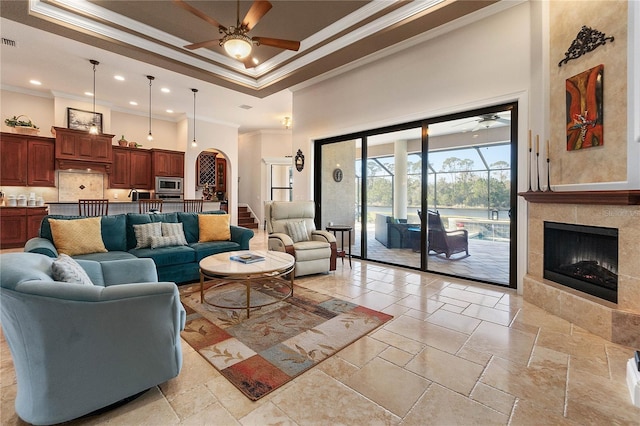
(485, 121)
(235, 40)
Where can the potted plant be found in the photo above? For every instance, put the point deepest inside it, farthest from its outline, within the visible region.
(21, 124)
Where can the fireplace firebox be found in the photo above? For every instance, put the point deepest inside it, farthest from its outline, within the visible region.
(582, 257)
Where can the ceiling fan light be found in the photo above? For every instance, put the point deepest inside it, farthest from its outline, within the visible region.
(237, 45)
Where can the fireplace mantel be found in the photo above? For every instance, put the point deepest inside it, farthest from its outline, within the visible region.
(616, 198)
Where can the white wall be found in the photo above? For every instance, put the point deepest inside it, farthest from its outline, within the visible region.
(484, 63)
(39, 109)
(210, 135)
(478, 64)
(254, 148)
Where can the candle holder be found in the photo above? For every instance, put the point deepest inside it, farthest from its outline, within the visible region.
(538, 171)
(548, 175)
(529, 168)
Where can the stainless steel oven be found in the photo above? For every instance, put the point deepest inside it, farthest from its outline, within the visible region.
(168, 196)
(169, 185)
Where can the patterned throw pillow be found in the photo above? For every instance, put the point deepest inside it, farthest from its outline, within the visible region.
(171, 240)
(145, 232)
(174, 230)
(65, 269)
(214, 227)
(77, 236)
(298, 231)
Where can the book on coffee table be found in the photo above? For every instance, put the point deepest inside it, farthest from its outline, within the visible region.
(247, 258)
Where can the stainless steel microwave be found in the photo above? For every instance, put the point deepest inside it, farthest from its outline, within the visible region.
(169, 185)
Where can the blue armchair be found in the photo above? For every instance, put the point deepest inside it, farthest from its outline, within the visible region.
(78, 348)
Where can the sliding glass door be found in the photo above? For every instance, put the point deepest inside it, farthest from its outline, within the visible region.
(436, 195)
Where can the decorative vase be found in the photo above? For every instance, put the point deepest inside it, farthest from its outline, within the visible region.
(133, 144)
(123, 141)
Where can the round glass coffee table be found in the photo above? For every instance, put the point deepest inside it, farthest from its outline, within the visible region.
(222, 267)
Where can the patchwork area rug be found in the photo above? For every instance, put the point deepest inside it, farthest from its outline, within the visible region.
(278, 342)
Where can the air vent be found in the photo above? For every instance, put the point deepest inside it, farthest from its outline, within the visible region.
(246, 106)
(8, 42)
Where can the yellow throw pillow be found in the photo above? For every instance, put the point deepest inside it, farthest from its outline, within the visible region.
(77, 236)
(214, 227)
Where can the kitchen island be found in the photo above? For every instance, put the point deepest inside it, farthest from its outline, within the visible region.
(70, 208)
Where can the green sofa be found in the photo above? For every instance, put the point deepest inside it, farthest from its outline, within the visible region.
(178, 264)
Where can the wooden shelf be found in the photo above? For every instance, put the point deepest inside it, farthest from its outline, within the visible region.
(615, 198)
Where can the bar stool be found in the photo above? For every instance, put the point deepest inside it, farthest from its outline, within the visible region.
(94, 207)
(194, 205)
(145, 206)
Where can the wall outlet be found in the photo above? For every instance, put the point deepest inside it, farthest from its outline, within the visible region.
(115, 196)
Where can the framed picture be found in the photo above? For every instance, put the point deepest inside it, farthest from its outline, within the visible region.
(584, 118)
(78, 119)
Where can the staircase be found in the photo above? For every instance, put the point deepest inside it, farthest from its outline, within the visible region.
(245, 219)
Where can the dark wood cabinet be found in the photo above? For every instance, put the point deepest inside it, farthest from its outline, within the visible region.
(34, 218)
(80, 146)
(221, 174)
(13, 160)
(167, 163)
(41, 163)
(131, 168)
(18, 224)
(26, 160)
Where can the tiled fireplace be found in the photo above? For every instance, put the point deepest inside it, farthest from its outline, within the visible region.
(617, 322)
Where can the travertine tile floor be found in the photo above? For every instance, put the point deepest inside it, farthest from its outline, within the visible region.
(456, 352)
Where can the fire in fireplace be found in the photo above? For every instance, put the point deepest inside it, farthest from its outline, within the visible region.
(582, 257)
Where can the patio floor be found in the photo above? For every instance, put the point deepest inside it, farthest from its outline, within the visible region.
(487, 260)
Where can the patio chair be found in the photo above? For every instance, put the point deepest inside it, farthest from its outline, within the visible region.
(442, 241)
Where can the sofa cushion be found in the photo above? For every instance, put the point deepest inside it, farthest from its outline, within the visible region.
(167, 256)
(142, 218)
(298, 230)
(214, 228)
(65, 269)
(101, 257)
(112, 230)
(214, 247)
(144, 233)
(167, 241)
(190, 224)
(174, 230)
(79, 236)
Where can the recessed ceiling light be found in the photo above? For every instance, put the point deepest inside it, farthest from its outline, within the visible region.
(165, 90)
(35, 82)
(88, 93)
(118, 77)
(245, 106)
(170, 111)
(255, 61)
(134, 103)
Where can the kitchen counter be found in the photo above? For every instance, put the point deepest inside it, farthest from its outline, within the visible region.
(70, 208)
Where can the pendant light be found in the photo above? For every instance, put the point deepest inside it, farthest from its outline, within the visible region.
(151, 78)
(94, 127)
(194, 143)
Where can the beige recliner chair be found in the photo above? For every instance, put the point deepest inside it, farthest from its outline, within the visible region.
(292, 229)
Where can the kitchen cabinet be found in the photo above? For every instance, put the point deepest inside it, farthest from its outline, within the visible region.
(26, 160)
(167, 163)
(18, 224)
(41, 163)
(221, 174)
(79, 145)
(131, 168)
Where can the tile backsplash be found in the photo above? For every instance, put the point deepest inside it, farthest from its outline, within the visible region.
(73, 186)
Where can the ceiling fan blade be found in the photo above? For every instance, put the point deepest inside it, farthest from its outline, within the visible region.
(503, 120)
(257, 10)
(277, 42)
(465, 123)
(199, 14)
(207, 43)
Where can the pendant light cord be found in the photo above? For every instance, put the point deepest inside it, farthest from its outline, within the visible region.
(151, 78)
(194, 143)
